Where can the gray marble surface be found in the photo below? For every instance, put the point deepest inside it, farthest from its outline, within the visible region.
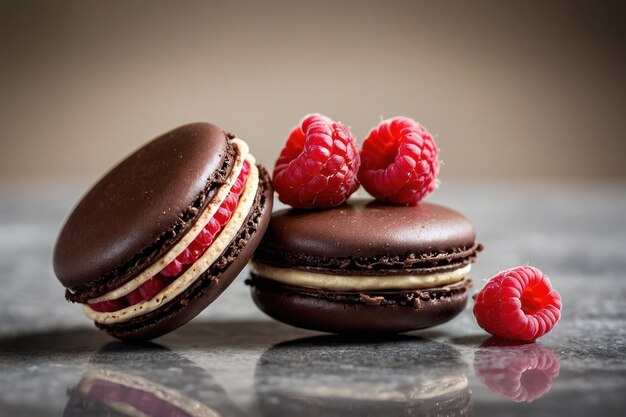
(234, 361)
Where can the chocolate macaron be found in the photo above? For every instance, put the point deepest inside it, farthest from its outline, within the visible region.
(163, 233)
(364, 267)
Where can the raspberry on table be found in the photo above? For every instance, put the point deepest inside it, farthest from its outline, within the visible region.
(399, 162)
(318, 165)
(518, 303)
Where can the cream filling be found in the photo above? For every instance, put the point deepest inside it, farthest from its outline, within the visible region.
(186, 240)
(191, 406)
(212, 253)
(364, 391)
(301, 278)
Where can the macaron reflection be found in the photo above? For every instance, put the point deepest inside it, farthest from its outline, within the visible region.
(337, 376)
(152, 381)
(518, 371)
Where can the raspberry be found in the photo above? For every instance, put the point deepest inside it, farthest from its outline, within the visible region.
(399, 162)
(318, 165)
(518, 303)
(519, 372)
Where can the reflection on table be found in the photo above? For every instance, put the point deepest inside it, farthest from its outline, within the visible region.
(335, 376)
(126, 380)
(519, 371)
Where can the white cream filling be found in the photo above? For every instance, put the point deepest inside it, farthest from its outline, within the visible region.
(186, 240)
(191, 406)
(301, 278)
(181, 283)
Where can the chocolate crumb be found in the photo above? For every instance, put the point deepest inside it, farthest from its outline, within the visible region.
(371, 301)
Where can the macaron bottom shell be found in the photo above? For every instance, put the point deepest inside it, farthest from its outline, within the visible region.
(341, 312)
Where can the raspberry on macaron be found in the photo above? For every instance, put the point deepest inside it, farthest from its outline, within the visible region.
(519, 304)
(399, 162)
(318, 166)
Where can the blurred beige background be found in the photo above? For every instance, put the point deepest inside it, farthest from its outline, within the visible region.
(512, 89)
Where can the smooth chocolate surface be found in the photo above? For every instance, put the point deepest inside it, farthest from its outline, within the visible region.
(141, 208)
(365, 235)
(355, 312)
(211, 283)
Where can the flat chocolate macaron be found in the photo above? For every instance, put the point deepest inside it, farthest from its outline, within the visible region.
(364, 267)
(163, 233)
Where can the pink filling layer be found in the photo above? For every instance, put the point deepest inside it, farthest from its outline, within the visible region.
(191, 254)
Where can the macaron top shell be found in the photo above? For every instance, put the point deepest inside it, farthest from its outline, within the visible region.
(365, 228)
(154, 193)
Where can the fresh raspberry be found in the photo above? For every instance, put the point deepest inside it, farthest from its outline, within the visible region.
(518, 303)
(399, 162)
(520, 372)
(318, 165)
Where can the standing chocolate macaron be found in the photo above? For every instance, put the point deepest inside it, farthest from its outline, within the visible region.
(161, 235)
(365, 267)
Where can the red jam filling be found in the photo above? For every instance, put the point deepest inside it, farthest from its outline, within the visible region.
(191, 254)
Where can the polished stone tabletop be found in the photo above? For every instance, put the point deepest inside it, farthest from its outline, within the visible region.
(234, 361)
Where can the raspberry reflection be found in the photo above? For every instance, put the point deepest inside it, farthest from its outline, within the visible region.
(522, 372)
